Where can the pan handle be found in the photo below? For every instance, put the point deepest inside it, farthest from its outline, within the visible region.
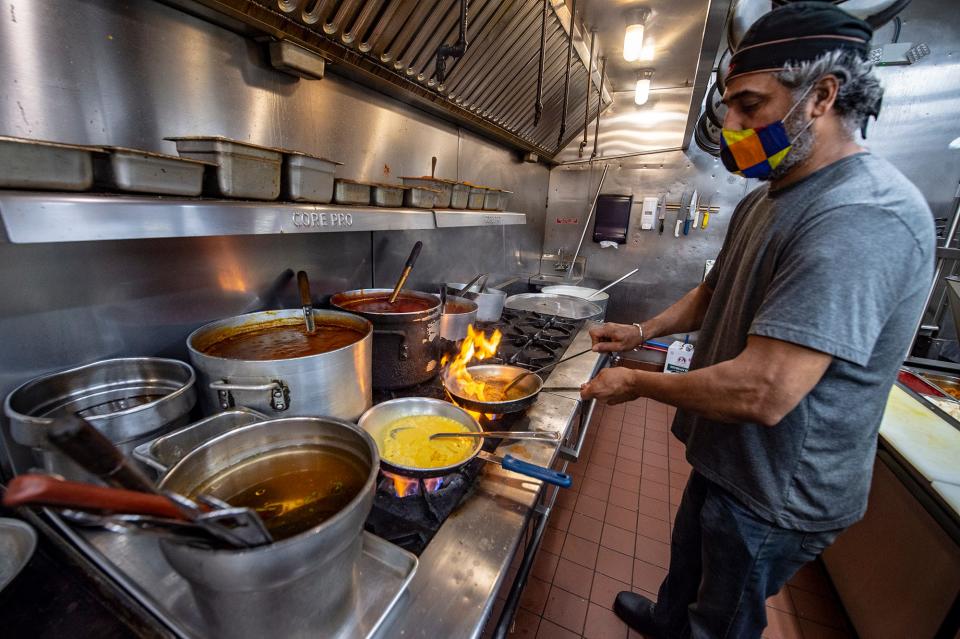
(279, 393)
(404, 352)
(563, 480)
(44, 490)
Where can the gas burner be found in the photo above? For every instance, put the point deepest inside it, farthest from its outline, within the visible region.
(403, 487)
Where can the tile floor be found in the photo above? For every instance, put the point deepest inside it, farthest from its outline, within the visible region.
(611, 532)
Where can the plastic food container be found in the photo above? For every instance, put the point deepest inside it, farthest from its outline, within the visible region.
(244, 170)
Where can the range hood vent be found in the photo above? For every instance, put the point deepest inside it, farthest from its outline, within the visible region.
(392, 46)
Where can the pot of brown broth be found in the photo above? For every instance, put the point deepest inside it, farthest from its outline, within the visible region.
(312, 481)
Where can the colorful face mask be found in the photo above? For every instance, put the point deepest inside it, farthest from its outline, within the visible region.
(755, 153)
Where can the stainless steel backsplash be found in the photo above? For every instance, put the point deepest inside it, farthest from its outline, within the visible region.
(130, 73)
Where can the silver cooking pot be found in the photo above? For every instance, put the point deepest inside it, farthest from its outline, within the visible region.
(130, 400)
(335, 383)
(458, 314)
(302, 586)
(406, 346)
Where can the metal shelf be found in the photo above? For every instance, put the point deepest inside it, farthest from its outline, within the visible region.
(448, 218)
(35, 217)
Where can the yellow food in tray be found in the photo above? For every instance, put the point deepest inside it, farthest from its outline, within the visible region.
(406, 442)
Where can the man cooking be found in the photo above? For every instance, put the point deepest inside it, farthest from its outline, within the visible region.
(803, 322)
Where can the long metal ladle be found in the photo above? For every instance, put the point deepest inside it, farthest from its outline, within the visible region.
(613, 283)
(542, 368)
(503, 434)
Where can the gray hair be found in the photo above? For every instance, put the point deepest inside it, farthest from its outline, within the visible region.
(859, 94)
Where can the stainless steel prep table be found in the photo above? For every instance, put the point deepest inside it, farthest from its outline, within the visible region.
(465, 564)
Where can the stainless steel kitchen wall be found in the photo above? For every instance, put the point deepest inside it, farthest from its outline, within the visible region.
(669, 266)
(131, 73)
(919, 120)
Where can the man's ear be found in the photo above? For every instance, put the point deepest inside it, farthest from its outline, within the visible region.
(824, 95)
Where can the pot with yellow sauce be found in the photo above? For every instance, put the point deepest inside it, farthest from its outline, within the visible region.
(402, 428)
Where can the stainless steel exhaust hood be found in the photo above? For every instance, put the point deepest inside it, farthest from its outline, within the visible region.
(392, 45)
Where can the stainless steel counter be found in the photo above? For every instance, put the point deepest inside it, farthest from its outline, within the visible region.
(465, 564)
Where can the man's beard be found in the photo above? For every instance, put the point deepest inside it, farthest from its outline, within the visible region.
(800, 149)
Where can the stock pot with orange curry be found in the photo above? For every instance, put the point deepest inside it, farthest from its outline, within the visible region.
(267, 361)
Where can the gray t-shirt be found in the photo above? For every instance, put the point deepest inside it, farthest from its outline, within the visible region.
(841, 263)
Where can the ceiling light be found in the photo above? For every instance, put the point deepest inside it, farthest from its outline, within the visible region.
(633, 36)
(646, 55)
(642, 91)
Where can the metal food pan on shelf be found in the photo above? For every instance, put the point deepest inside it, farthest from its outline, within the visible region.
(39, 165)
(421, 197)
(139, 171)
(307, 178)
(351, 192)
(244, 170)
(387, 195)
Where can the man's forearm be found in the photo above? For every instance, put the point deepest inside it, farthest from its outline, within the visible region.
(715, 392)
(685, 315)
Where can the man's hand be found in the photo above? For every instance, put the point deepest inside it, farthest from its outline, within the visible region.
(612, 386)
(610, 338)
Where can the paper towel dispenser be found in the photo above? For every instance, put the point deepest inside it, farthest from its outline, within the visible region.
(612, 218)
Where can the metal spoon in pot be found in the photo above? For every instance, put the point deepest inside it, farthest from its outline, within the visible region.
(503, 434)
(613, 283)
(516, 379)
(304, 285)
(414, 254)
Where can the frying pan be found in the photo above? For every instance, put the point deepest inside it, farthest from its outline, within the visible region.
(530, 385)
(378, 420)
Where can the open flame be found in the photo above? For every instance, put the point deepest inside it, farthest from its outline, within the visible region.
(476, 346)
(409, 486)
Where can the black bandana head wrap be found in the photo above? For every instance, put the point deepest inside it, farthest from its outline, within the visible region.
(798, 32)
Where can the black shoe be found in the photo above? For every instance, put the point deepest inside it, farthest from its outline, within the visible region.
(637, 611)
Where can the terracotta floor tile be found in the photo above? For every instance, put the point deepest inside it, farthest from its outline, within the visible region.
(647, 576)
(552, 540)
(653, 507)
(654, 489)
(811, 577)
(618, 539)
(650, 550)
(659, 475)
(525, 625)
(573, 578)
(603, 446)
(621, 517)
(601, 623)
(567, 499)
(679, 479)
(596, 489)
(660, 461)
(605, 590)
(559, 518)
(677, 454)
(653, 528)
(626, 481)
(607, 460)
(544, 565)
(634, 441)
(580, 551)
(566, 609)
(600, 473)
(673, 512)
(676, 495)
(493, 618)
(586, 527)
(634, 430)
(591, 507)
(782, 625)
(634, 418)
(606, 434)
(629, 467)
(658, 436)
(657, 448)
(614, 564)
(818, 608)
(629, 452)
(680, 465)
(623, 498)
(812, 630)
(534, 596)
(611, 419)
(550, 630)
(782, 601)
